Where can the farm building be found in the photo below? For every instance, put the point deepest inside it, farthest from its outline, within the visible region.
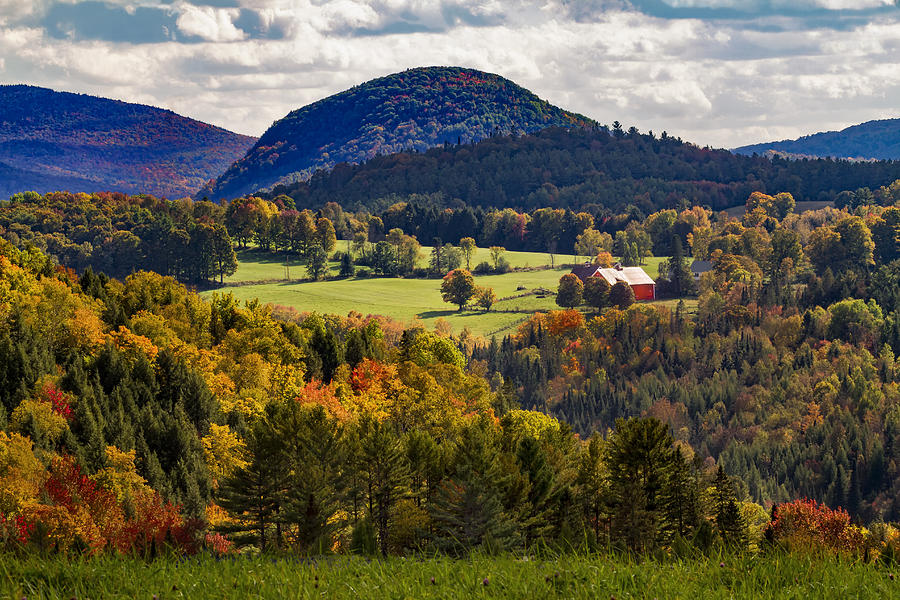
(699, 267)
(644, 287)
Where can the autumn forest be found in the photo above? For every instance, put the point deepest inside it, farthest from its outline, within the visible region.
(741, 411)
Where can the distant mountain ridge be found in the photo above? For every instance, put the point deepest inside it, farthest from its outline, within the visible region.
(872, 140)
(53, 140)
(413, 110)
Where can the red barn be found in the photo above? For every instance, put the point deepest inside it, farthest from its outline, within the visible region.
(644, 287)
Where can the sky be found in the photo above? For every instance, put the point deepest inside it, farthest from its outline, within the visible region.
(715, 72)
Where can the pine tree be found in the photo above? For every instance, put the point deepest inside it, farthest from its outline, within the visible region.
(255, 494)
(638, 456)
(680, 499)
(313, 452)
(385, 470)
(468, 509)
(730, 524)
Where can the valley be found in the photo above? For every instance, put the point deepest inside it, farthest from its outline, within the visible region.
(432, 335)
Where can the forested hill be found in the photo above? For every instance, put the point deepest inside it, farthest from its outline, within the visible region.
(871, 140)
(583, 168)
(57, 140)
(416, 109)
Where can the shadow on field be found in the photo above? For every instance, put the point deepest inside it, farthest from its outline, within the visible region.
(433, 314)
(258, 256)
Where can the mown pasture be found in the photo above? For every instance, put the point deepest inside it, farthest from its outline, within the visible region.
(527, 289)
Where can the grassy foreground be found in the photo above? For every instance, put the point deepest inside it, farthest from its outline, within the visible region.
(776, 576)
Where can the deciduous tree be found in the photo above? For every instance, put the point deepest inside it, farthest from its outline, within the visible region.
(570, 291)
(458, 287)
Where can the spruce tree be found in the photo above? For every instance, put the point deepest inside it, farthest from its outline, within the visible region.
(313, 451)
(638, 455)
(385, 470)
(729, 522)
(468, 509)
(256, 493)
(532, 460)
(591, 484)
(680, 499)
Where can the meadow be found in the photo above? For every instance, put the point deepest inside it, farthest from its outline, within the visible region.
(265, 266)
(772, 576)
(520, 293)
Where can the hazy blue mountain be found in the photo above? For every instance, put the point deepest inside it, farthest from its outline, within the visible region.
(870, 140)
(57, 140)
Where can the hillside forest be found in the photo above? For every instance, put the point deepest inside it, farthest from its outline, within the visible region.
(136, 415)
(57, 140)
(413, 110)
(598, 169)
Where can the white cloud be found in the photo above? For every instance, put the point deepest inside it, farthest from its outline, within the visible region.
(775, 5)
(213, 24)
(716, 83)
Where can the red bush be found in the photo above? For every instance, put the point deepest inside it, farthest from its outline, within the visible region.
(807, 524)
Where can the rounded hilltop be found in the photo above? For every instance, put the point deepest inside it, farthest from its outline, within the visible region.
(415, 109)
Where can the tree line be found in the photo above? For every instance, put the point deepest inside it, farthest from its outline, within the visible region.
(591, 169)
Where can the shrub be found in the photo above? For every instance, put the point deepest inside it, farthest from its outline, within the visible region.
(483, 268)
(808, 525)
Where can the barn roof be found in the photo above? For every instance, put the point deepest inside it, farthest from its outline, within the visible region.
(585, 271)
(701, 266)
(630, 275)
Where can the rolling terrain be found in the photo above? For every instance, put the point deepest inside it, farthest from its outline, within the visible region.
(61, 141)
(582, 169)
(520, 293)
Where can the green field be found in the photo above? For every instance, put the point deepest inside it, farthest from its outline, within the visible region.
(409, 300)
(263, 266)
(587, 576)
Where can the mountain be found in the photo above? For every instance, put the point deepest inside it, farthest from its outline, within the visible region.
(57, 140)
(413, 110)
(878, 140)
(582, 168)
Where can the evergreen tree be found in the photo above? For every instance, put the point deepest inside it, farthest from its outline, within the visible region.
(468, 509)
(730, 524)
(591, 484)
(346, 265)
(327, 347)
(532, 460)
(638, 456)
(314, 453)
(681, 499)
(383, 465)
(316, 262)
(256, 493)
(679, 270)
